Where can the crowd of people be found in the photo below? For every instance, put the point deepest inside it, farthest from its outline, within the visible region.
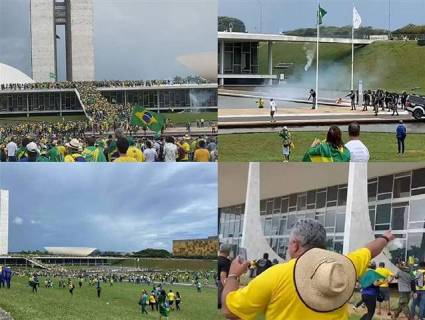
(333, 148)
(118, 148)
(316, 283)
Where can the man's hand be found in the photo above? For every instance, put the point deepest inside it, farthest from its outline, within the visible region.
(315, 142)
(389, 235)
(237, 268)
(376, 246)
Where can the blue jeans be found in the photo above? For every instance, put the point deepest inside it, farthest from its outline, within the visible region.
(420, 302)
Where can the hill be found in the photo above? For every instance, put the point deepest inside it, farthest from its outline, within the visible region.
(170, 264)
(393, 65)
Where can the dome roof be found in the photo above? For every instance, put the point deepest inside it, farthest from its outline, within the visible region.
(10, 74)
(70, 251)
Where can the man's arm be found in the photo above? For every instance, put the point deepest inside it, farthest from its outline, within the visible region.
(376, 246)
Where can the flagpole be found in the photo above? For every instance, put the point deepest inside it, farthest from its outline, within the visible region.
(317, 55)
(352, 50)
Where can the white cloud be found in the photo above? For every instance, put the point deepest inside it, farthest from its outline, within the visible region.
(18, 220)
(35, 222)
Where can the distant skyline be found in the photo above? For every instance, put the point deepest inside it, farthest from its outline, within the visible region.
(123, 208)
(133, 39)
(284, 15)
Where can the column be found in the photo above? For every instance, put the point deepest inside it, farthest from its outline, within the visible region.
(270, 61)
(221, 62)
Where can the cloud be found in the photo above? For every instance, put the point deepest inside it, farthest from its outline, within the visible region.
(18, 220)
(35, 222)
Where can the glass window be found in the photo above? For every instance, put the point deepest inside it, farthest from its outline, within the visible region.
(399, 254)
(292, 219)
(417, 212)
(338, 246)
(399, 218)
(320, 199)
(372, 216)
(293, 200)
(268, 227)
(330, 243)
(282, 226)
(311, 197)
(330, 219)
(416, 245)
(340, 223)
(321, 218)
(302, 202)
(385, 184)
(383, 213)
(401, 187)
(371, 190)
(276, 205)
(418, 178)
(263, 205)
(342, 196)
(285, 203)
(269, 206)
(275, 225)
(332, 193)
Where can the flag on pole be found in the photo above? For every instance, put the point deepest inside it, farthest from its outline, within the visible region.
(321, 13)
(142, 117)
(357, 20)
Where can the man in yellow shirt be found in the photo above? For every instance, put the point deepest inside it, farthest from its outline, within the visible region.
(315, 284)
(383, 287)
(171, 298)
(122, 147)
(186, 147)
(202, 154)
(134, 152)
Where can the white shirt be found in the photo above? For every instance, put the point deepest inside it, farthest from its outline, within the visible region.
(11, 149)
(273, 105)
(358, 151)
(170, 152)
(150, 155)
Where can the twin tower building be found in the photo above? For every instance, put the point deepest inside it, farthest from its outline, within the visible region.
(77, 17)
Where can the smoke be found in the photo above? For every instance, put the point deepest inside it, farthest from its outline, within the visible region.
(310, 51)
(200, 98)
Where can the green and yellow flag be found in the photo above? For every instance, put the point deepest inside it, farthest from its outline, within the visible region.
(142, 117)
(321, 13)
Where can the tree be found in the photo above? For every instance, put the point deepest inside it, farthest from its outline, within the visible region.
(225, 23)
(153, 253)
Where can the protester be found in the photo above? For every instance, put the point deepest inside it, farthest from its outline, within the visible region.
(313, 97)
(369, 282)
(273, 110)
(164, 307)
(419, 295)
(287, 144)
(401, 134)
(314, 284)
(223, 262)
(358, 151)
(263, 264)
(201, 154)
(11, 148)
(178, 301)
(98, 287)
(143, 302)
(170, 150)
(122, 147)
(331, 150)
(73, 149)
(32, 153)
(404, 282)
(384, 289)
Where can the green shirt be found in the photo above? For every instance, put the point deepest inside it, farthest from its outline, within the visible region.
(324, 152)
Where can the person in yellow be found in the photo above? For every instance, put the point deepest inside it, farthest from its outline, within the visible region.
(171, 298)
(201, 154)
(134, 152)
(419, 295)
(73, 149)
(383, 286)
(186, 147)
(122, 146)
(61, 148)
(152, 301)
(315, 284)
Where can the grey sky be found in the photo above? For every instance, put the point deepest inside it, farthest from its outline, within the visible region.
(134, 39)
(280, 15)
(120, 208)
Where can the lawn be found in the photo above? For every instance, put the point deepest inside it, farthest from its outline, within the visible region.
(393, 65)
(267, 146)
(117, 302)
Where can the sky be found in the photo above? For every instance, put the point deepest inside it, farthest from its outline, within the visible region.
(284, 15)
(122, 208)
(133, 39)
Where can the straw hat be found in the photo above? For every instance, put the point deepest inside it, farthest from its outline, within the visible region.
(324, 280)
(74, 144)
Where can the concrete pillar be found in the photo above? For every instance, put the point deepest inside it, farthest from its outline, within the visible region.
(221, 62)
(358, 230)
(253, 238)
(270, 61)
(43, 40)
(4, 222)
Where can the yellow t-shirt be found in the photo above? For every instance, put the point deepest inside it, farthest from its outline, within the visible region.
(186, 147)
(273, 293)
(202, 155)
(125, 159)
(135, 153)
(61, 149)
(152, 299)
(171, 296)
(386, 273)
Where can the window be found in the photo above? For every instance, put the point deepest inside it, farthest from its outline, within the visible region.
(311, 197)
(268, 227)
(399, 218)
(383, 216)
(320, 217)
(385, 184)
(416, 245)
(282, 226)
(342, 196)
(321, 199)
(340, 223)
(372, 216)
(330, 219)
(418, 178)
(371, 190)
(293, 200)
(417, 212)
(292, 219)
(285, 203)
(269, 206)
(332, 194)
(401, 187)
(302, 201)
(277, 205)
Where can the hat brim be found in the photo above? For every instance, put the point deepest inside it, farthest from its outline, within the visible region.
(310, 296)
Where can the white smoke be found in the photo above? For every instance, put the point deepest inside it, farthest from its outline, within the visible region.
(310, 51)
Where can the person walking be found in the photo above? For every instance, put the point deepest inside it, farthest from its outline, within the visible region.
(404, 282)
(401, 133)
(314, 284)
(419, 295)
(178, 300)
(384, 287)
(143, 302)
(273, 110)
(11, 149)
(98, 287)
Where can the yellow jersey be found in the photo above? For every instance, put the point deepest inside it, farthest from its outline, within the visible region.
(125, 159)
(135, 153)
(273, 293)
(202, 155)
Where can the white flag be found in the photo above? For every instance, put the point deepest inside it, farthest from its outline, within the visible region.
(357, 20)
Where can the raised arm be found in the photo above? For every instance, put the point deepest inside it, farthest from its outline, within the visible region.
(376, 246)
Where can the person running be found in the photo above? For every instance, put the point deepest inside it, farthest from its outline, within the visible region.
(152, 301)
(370, 289)
(384, 287)
(404, 282)
(286, 143)
(178, 300)
(260, 103)
(71, 287)
(143, 302)
(331, 150)
(273, 110)
(164, 307)
(401, 134)
(171, 298)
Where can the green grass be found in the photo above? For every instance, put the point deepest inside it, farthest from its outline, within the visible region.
(117, 302)
(171, 264)
(267, 146)
(393, 65)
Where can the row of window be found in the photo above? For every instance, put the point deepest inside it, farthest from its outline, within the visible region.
(240, 58)
(39, 101)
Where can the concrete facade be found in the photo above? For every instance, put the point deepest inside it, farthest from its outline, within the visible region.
(77, 16)
(43, 43)
(80, 47)
(4, 222)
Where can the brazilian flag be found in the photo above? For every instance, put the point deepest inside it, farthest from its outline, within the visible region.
(142, 117)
